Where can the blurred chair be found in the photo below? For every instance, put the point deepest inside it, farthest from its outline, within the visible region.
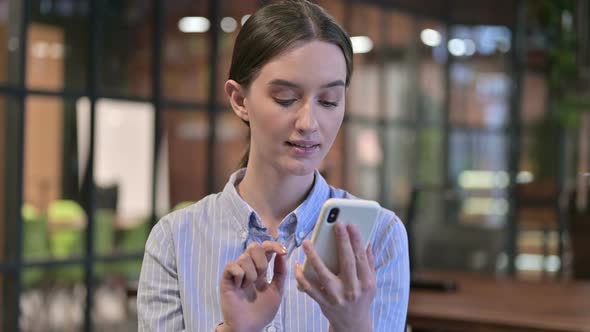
(35, 243)
(67, 222)
(182, 205)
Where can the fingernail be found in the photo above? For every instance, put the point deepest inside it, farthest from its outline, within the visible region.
(284, 249)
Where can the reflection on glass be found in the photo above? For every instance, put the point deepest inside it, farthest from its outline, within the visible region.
(183, 159)
(57, 45)
(400, 166)
(9, 40)
(534, 97)
(3, 156)
(430, 149)
(54, 221)
(332, 167)
(52, 299)
(127, 46)
(232, 138)
(432, 91)
(122, 171)
(186, 51)
(234, 15)
(113, 309)
(364, 156)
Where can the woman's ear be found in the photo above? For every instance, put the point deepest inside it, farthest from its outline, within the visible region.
(236, 95)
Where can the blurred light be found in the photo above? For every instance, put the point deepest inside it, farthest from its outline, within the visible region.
(191, 24)
(13, 44)
(483, 206)
(469, 47)
(483, 179)
(228, 24)
(530, 262)
(40, 49)
(244, 19)
(525, 177)
(503, 46)
(430, 37)
(361, 44)
(457, 47)
(56, 50)
(567, 20)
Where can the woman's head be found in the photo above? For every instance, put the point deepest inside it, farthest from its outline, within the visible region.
(277, 27)
(291, 65)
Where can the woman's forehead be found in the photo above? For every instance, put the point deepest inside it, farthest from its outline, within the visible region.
(314, 63)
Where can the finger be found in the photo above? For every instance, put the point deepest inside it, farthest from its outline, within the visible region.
(279, 272)
(233, 273)
(360, 254)
(258, 255)
(306, 286)
(250, 276)
(371, 257)
(346, 260)
(325, 281)
(271, 247)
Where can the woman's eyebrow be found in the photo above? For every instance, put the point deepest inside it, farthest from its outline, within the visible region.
(294, 85)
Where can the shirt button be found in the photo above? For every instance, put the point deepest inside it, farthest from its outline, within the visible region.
(271, 329)
(301, 235)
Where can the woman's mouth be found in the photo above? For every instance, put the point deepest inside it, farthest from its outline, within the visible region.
(303, 149)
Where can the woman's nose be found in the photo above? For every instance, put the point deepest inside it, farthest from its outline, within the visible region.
(306, 120)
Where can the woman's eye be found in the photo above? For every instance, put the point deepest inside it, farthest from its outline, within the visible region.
(328, 103)
(284, 102)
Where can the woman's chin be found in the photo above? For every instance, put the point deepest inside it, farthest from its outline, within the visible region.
(300, 168)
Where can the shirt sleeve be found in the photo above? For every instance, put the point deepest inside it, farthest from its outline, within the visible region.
(389, 309)
(158, 297)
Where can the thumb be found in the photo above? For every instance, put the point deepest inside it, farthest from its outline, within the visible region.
(280, 272)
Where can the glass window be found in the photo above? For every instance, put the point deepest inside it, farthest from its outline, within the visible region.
(114, 309)
(52, 299)
(232, 138)
(364, 97)
(332, 167)
(3, 156)
(124, 140)
(57, 45)
(54, 221)
(399, 165)
(127, 48)
(233, 16)
(364, 159)
(186, 51)
(10, 15)
(9, 126)
(182, 163)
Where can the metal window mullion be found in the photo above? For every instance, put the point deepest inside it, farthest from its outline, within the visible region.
(514, 142)
(88, 196)
(12, 310)
(212, 108)
(158, 46)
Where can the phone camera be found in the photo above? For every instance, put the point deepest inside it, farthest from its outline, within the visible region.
(333, 215)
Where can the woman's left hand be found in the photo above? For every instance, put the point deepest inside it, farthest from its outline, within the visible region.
(345, 298)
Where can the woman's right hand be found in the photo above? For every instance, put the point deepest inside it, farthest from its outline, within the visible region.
(248, 301)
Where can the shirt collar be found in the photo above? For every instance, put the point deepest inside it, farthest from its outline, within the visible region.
(305, 214)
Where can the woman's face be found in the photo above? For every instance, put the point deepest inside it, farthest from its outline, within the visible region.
(295, 107)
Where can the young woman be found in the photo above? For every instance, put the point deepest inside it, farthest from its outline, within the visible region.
(232, 261)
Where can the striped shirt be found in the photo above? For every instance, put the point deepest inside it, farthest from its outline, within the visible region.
(187, 251)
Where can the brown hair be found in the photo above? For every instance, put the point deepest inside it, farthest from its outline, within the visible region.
(275, 28)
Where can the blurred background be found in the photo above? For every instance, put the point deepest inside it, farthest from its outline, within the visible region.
(469, 119)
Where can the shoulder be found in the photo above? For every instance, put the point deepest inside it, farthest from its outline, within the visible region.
(183, 220)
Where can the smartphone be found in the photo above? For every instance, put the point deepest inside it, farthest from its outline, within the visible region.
(335, 211)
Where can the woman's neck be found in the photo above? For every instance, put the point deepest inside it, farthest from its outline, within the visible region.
(273, 195)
